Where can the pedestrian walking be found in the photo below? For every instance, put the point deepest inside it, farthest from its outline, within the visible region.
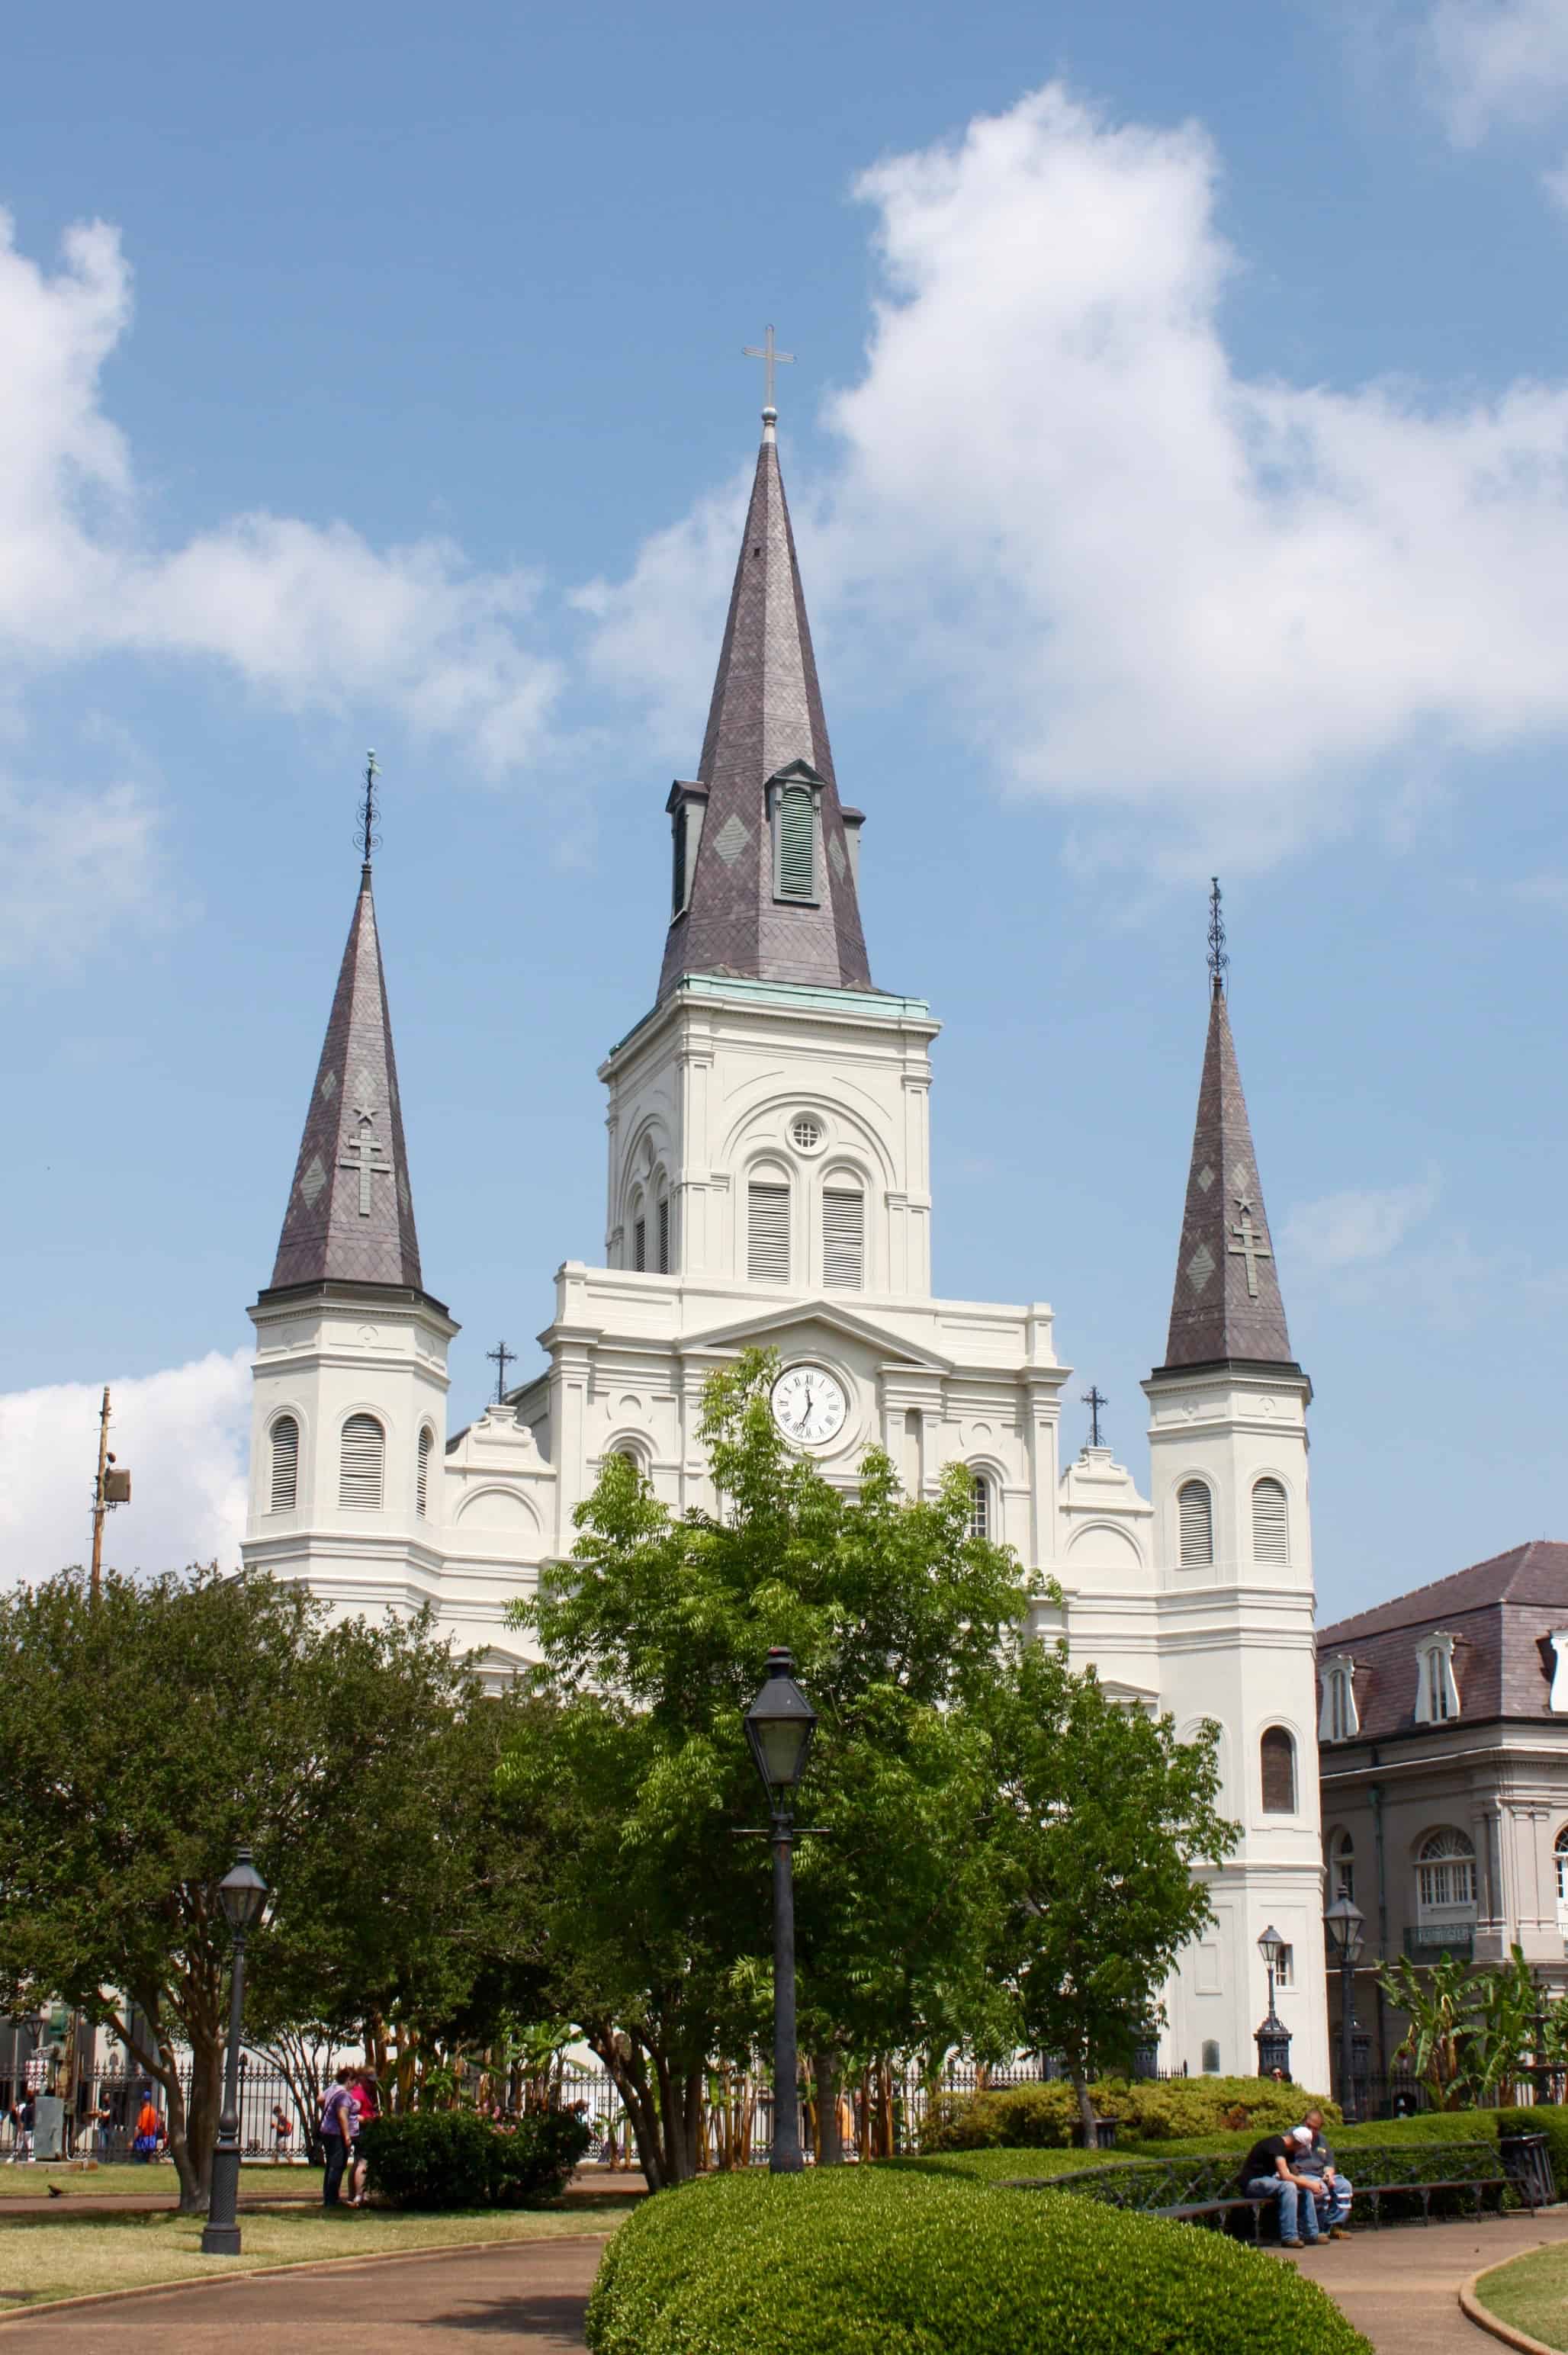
(103, 2116)
(149, 2131)
(366, 2096)
(282, 2135)
(337, 2128)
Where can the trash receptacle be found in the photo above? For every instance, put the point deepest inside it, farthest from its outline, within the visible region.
(1105, 2134)
(1528, 2167)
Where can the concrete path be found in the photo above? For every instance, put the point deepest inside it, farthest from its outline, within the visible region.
(529, 2298)
(1400, 2287)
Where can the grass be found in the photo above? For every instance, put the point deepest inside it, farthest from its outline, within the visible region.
(72, 2254)
(260, 2182)
(1532, 2294)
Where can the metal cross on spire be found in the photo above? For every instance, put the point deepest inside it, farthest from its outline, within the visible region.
(500, 1357)
(1218, 959)
(369, 813)
(768, 352)
(1094, 1399)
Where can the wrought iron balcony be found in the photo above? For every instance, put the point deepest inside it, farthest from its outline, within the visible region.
(1428, 1941)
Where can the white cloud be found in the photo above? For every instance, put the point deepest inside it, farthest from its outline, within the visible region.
(310, 616)
(65, 852)
(1136, 575)
(1498, 63)
(1357, 1227)
(182, 1435)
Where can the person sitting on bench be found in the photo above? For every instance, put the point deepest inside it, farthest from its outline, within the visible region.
(1335, 2197)
(1272, 2170)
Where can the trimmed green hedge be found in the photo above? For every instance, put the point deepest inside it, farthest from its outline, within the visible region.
(1042, 2116)
(862, 2260)
(1551, 2119)
(452, 2159)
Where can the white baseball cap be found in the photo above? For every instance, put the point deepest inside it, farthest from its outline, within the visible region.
(1301, 2134)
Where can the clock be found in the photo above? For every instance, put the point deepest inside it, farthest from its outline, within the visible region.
(809, 1405)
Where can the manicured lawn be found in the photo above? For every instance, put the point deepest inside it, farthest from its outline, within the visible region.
(1532, 2294)
(260, 2182)
(71, 2254)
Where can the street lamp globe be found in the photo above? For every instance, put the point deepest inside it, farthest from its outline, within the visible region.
(242, 1893)
(1343, 1923)
(1270, 1945)
(780, 1727)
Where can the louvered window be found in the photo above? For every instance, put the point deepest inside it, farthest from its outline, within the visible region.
(362, 1469)
(1277, 1757)
(797, 832)
(1338, 1720)
(979, 1507)
(677, 878)
(639, 1244)
(421, 1484)
(1271, 1523)
(285, 1464)
(843, 1241)
(1195, 1510)
(663, 1236)
(767, 1234)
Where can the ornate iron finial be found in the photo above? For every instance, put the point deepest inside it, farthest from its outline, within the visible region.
(1218, 959)
(1094, 1399)
(500, 1357)
(768, 352)
(370, 840)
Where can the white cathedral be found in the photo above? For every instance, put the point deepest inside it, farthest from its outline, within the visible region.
(768, 1184)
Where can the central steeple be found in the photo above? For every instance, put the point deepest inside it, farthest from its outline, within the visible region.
(764, 854)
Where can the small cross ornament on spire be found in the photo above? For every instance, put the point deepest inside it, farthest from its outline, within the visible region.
(768, 352)
(1249, 1244)
(1094, 1399)
(500, 1357)
(369, 813)
(1218, 959)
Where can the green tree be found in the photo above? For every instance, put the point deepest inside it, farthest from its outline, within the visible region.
(653, 1635)
(1100, 1816)
(143, 1738)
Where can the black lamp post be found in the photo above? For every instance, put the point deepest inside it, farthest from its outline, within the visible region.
(780, 1725)
(1342, 1922)
(242, 1893)
(1272, 2037)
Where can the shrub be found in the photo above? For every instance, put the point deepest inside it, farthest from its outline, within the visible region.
(866, 2262)
(1043, 2116)
(450, 2159)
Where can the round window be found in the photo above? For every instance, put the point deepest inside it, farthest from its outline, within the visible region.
(806, 1133)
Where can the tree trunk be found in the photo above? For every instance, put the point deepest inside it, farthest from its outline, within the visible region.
(830, 2136)
(1086, 2117)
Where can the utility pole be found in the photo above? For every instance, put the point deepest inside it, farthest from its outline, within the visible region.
(110, 1488)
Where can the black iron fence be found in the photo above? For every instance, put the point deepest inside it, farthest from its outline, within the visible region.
(100, 2115)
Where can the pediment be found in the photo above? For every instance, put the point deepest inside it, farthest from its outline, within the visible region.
(827, 1309)
(795, 772)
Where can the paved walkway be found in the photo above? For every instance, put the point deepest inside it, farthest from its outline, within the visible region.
(529, 2298)
(1400, 2287)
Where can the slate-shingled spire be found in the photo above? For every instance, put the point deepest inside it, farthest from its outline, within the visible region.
(766, 714)
(350, 1218)
(1226, 1305)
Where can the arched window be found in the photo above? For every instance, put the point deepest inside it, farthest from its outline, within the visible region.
(421, 1482)
(1436, 1693)
(639, 1231)
(843, 1238)
(1195, 1514)
(1339, 1720)
(1446, 1875)
(1271, 1522)
(979, 1505)
(1560, 1857)
(361, 1471)
(795, 840)
(767, 1232)
(1277, 1753)
(285, 1466)
(1342, 1867)
(664, 1234)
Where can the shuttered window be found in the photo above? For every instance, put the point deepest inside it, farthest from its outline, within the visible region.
(362, 1468)
(979, 1507)
(678, 876)
(1195, 1509)
(421, 1484)
(285, 1464)
(663, 1236)
(1271, 1524)
(843, 1241)
(1277, 1758)
(639, 1244)
(767, 1234)
(797, 828)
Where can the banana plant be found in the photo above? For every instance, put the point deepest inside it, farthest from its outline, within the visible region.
(1439, 2002)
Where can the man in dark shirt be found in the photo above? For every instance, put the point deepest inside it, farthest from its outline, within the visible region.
(1271, 2171)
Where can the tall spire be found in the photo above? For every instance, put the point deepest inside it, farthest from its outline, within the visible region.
(1226, 1304)
(766, 719)
(350, 1215)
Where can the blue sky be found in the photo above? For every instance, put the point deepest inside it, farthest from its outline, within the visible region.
(1178, 447)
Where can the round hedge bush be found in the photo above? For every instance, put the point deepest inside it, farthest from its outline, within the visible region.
(860, 2261)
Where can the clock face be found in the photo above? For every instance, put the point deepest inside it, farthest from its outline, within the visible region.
(809, 1405)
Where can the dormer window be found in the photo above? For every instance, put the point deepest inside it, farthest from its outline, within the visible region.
(688, 805)
(1436, 1693)
(1339, 1720)
(793, 815)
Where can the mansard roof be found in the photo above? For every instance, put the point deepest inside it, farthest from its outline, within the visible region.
(350, 1215)
(1226, 1304)
(765, 717)
(1500, 1614)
